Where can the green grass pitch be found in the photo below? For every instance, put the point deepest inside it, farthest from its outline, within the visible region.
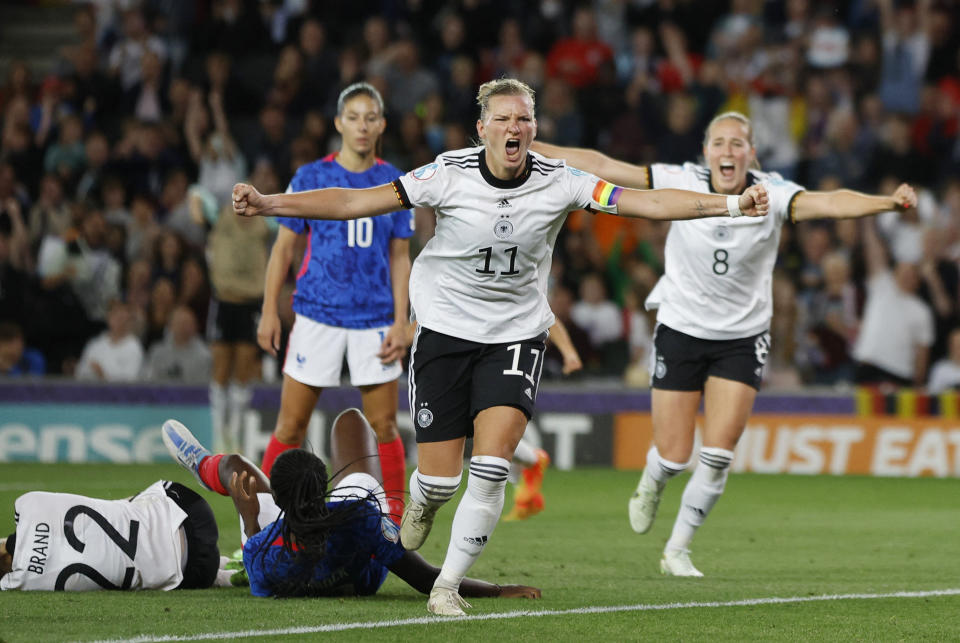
(770, 536)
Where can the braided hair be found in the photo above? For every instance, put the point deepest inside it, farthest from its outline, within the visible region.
(299, 480)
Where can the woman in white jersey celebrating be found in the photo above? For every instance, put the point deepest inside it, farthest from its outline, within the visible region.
(714, 305)
(478, 293)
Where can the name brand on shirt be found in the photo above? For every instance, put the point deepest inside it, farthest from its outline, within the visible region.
(41, 540)
(504, 203)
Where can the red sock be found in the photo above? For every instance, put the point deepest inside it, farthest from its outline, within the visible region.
(274, 449)
(209, 470)
(393, 463)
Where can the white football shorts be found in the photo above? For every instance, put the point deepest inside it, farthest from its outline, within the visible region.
(315, 354)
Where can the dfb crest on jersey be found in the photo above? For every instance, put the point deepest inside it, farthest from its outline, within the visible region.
(721, 233)
(424, 418)
(503, 228)
(660, 370)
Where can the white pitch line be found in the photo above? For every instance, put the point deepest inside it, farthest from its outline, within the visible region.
(432, 620)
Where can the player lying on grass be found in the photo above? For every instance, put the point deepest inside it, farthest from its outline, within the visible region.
(309, 533)
(165, 537)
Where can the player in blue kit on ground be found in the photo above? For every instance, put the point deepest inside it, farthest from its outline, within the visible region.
(308, 532)
(351, 297)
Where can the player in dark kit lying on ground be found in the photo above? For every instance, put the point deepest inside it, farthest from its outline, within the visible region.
(310, 533)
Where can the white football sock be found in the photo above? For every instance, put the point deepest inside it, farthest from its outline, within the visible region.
(661, 470)
(433, 490)
(238, 401)
(524, 455)
(700, 495)
(476, 517)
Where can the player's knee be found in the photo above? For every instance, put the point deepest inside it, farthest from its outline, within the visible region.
(291, 428)
(385, 427)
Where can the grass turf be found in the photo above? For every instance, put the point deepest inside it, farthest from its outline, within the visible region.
(770, 536)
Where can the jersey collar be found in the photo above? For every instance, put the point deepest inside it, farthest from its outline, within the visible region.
(504, 184)
(751, 179)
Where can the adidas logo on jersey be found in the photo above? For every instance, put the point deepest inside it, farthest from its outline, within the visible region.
(504, 203)
(529, 393)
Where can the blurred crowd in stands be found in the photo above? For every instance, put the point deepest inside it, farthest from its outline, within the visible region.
(116, 169)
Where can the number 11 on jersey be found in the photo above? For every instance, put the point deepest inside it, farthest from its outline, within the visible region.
(515, 367)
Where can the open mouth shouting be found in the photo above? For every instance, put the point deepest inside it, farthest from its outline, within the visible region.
(513, 149)
(728, 169)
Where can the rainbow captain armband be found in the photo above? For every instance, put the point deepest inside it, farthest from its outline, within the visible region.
(606, 195)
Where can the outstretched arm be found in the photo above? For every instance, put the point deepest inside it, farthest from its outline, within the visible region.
(413, 569)
(672, 204)
(328, 203)
(847, 204)
(626, 174)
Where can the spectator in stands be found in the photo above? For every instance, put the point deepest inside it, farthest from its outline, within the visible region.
(50, 215)
(945, 374)
(96, 156)
(320, 66)
(181, 355)
(560, 121)
(147, 99)
(893, 346)
(142, 228)
(271, 141)
(16, 241)
(577, 58)
(66, 157)
(213, 149)
(830, 322)
(181, 204)
(194, 290)
(126, 56)
(18, 83)
(16, 359)
(91, 92)
(939, 288)
(408, 82)
(15, 283)
(82, 260)
(116, 354)
(906, 52)
(163, 299)
(602, 320)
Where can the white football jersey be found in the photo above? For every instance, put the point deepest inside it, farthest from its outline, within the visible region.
(483, 276)
(74, 543)
(718, 271)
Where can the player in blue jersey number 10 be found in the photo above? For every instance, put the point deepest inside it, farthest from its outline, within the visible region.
(351, 296)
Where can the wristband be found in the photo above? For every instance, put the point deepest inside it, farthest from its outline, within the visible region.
(733, 205)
